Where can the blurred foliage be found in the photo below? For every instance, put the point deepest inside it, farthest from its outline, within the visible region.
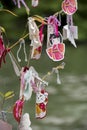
(15, 26)
(4, 97)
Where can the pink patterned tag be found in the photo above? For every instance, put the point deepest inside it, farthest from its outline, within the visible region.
(41, 100)
(69, 6)
(17, 109)
(41, 103)
(56, 52)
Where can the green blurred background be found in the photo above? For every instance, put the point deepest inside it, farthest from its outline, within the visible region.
(67, 106)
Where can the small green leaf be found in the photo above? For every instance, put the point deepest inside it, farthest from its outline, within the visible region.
(2, 29)
(9, 93)
(6, 98)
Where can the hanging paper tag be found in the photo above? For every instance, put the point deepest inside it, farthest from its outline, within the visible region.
(55, 47)
(36, 51)
(41, 101)
(17, 109)
(28, 88)
(57, 50)
(65, 32)
(41, 104)
(69, 6)
(34, 33)
(22, 81)
(70, 33)
(74, 31)
(27, 75)
(25, 122)
(35, 3)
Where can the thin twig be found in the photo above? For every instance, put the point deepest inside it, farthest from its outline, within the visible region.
(59, 12)
(6, 10)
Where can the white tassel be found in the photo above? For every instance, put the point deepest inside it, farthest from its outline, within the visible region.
(58, 78)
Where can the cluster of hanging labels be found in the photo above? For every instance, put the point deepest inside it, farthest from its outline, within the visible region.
(30, 80)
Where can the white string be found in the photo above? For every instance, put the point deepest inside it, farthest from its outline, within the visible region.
(22, 43)
(58, 78)
(57, 72)
(60, 18)
(69, 20)
(25, 53)
(19, 60)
